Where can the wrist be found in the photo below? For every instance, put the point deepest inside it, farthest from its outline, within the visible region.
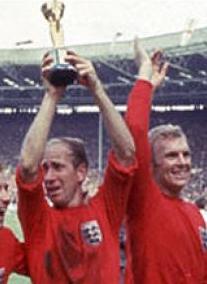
(52, 95)
(96, 86)
(145, 71)
(55, 92)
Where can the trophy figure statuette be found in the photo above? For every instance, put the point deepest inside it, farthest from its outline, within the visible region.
(62, 73)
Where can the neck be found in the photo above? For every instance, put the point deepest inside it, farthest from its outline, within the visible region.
(169, 192)
(77, 199)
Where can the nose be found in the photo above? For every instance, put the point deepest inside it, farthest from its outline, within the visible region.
(49, 176)
(4, 196)
(182, 159)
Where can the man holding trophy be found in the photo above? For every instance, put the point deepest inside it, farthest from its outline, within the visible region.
(76, 239)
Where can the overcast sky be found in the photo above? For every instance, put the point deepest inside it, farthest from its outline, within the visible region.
(90, 21)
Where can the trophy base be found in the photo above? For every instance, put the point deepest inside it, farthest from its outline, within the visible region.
(62, 75)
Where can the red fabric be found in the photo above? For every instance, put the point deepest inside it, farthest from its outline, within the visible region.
(12, 254)
(57, 250)
(164, 232)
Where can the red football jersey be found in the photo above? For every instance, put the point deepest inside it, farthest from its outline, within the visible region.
(12, 254)
(78, 244)
(168, 236)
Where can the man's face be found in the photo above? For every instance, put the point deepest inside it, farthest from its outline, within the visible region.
(62, 181)
(172, 164)
(4, 197)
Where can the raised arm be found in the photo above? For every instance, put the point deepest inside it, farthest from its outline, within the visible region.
(150, 76)
(121, 139)
(36, 137)
(139, 101)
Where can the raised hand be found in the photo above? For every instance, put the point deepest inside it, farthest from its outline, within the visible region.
(152, 69)
(142, 60)
(47, 63)
(140, 54)
(86, 72)
(159, 68)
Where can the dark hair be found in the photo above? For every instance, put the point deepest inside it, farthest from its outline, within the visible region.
(75, 145)
(201, 202)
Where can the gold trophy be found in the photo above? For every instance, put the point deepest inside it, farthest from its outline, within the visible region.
(62, 73)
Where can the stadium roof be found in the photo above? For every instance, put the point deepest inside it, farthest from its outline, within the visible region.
(186, 81)
(171, 42)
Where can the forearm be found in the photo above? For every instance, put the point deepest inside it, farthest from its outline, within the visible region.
(121, 139)
(138, 117)
(138, 107)
(120, 136)
(36, 138)
(145, 71)
(139, 102)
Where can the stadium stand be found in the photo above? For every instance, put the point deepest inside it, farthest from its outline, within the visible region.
(14, 126)
(186, 84)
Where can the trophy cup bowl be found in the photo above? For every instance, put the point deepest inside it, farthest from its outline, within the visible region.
(61, 73)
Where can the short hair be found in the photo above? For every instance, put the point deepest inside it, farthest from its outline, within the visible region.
(163, 132)
(201, 202)
(76, 145)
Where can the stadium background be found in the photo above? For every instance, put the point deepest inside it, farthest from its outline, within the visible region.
(181, 100)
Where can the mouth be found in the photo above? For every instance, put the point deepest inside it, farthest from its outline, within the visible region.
(53, 191)
(2, 211)
(181, 174)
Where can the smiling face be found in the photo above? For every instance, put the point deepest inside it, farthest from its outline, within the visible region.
(62, 179)
(4, 197)
(172, 164)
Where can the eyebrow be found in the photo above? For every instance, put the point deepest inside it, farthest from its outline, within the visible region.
(174, 152)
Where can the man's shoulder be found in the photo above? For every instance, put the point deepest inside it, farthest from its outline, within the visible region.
(191, 208)
(6, 230)
(7, 234)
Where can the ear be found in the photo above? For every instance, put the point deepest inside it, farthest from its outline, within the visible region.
(81, 172)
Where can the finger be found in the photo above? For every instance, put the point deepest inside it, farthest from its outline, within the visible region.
(71, 52)
(157, 56)
(47, 61)
(164, 69)
(46, 54)
(71, 59)
(84, 72)
(46, 70)
(81, 66)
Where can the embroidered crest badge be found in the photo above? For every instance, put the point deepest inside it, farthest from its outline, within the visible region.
(91, 233)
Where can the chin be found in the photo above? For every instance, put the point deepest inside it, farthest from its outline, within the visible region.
(177, 188)
(181, 184)
(59, 203)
